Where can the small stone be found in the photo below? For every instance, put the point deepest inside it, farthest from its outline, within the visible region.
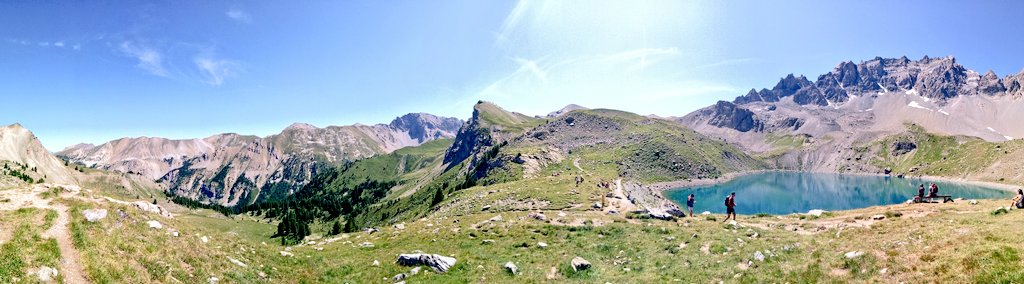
(496, 219)
(376, 262)
(511, 268)
(816, 212)
(213, 280)
(542, 244)
(399, 277)
(319, 249)
(973, 202)
(415, 270)
(597, 205)
(366, 245)
(154, 224)
(205, 239)
(759, 256)
(853, 254)
(485, 208)
(488, 242)
(237, 262)
(262, 274)
(878, 217)
(705, 213)
(285, 253)
(174, 234)
(400, 226)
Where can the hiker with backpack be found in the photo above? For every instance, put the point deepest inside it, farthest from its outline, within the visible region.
(689, 204)
(730, 207)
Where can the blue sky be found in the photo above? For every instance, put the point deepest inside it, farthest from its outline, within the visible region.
(92, 71)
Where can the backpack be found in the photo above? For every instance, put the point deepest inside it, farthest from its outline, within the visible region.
(727, 201)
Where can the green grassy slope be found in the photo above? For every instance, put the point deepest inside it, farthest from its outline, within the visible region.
(951, 156)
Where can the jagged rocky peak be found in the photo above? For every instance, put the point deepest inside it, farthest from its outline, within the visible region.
(729, 115)
(424, 127)
(939, 78)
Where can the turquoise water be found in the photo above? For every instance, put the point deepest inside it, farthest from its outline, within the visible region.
(798, 192)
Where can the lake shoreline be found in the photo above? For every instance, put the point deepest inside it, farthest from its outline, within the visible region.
(661, 187)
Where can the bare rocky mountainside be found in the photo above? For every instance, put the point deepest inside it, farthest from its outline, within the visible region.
(230, 169)
(828, 124)
(25, 158)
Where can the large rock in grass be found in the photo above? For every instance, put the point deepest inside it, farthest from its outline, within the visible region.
(578, 264)
(93, 215)
(438, 263)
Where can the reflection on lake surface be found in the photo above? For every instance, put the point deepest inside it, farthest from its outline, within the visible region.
(797, 192)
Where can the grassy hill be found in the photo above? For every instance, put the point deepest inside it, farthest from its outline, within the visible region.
(949, 156)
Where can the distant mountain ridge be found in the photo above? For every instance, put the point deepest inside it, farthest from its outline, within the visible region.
(229, 168)
(863, 102)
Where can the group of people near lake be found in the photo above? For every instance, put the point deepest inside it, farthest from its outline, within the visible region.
(933, 191)
(730, 206)
(730, 200)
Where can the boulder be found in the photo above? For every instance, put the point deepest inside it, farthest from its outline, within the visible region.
(400, 226)
(152, 208)
(578, 263)
(438, 263)
(400, 277)
(93, 215)
(154, 224)
(816, 212)
(46, 273)
(511, 268)
(539, 216)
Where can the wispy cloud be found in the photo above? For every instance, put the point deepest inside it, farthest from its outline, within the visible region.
(149, 59)
(216, 70)
(726, 62)
(239, 15)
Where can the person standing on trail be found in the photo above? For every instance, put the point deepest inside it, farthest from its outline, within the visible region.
(730, 207)
(689, 204)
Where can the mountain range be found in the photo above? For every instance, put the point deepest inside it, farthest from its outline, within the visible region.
(856, 103)
(229, 168)
(831, 124)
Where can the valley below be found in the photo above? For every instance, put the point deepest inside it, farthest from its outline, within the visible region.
(822, 170)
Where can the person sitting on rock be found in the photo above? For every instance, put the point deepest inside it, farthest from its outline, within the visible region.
(934, 191)
(1018, 201)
